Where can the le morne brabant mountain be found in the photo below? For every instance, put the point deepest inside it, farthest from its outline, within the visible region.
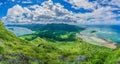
(53, 44)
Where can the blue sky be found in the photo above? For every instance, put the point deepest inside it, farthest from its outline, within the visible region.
(68, 11)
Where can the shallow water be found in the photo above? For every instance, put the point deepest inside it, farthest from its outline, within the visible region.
(19, 31)
(108, 32)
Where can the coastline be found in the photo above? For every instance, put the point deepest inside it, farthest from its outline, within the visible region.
(97, 41)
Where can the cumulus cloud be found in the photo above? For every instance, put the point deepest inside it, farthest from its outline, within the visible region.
(16, 14)
(102, 15)
(82, 4)
(110, 2)
(86, 4)
(115, 2)
(49, 12)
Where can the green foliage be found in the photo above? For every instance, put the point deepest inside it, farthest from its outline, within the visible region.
(57, 32)
(1, 50)
(53, 27)
(6, 35)
(62, 48)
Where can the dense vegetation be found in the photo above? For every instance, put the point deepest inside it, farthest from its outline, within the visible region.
(58, 32)
(47, 50)
(54, 27)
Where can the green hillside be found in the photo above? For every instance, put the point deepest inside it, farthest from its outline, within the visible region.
(6, 35)
(57, 32)
(43, 50)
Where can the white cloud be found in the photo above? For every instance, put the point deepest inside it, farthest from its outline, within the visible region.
(47, 12)
(77, 4)
(50, 12)
(102, 15)
(110, 2)
(15, 11)
(15, 14)
(22, 1)
(115, 2)
(28, 1)
(13, 0)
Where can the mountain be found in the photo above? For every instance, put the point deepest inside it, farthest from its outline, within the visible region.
(43, 50)
(58, 32)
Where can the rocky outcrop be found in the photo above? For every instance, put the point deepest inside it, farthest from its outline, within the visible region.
(80, 59)
(19, 58)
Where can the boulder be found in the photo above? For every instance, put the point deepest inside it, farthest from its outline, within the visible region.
(81, 58)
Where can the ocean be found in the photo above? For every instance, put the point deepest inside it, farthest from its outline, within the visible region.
(107, 32)
(19, 31)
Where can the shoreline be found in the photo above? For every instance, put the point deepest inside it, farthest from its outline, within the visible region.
(97, 41)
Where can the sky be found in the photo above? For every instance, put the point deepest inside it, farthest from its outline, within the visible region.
(60, 11)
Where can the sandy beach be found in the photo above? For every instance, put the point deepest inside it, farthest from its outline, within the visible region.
(97, 41)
